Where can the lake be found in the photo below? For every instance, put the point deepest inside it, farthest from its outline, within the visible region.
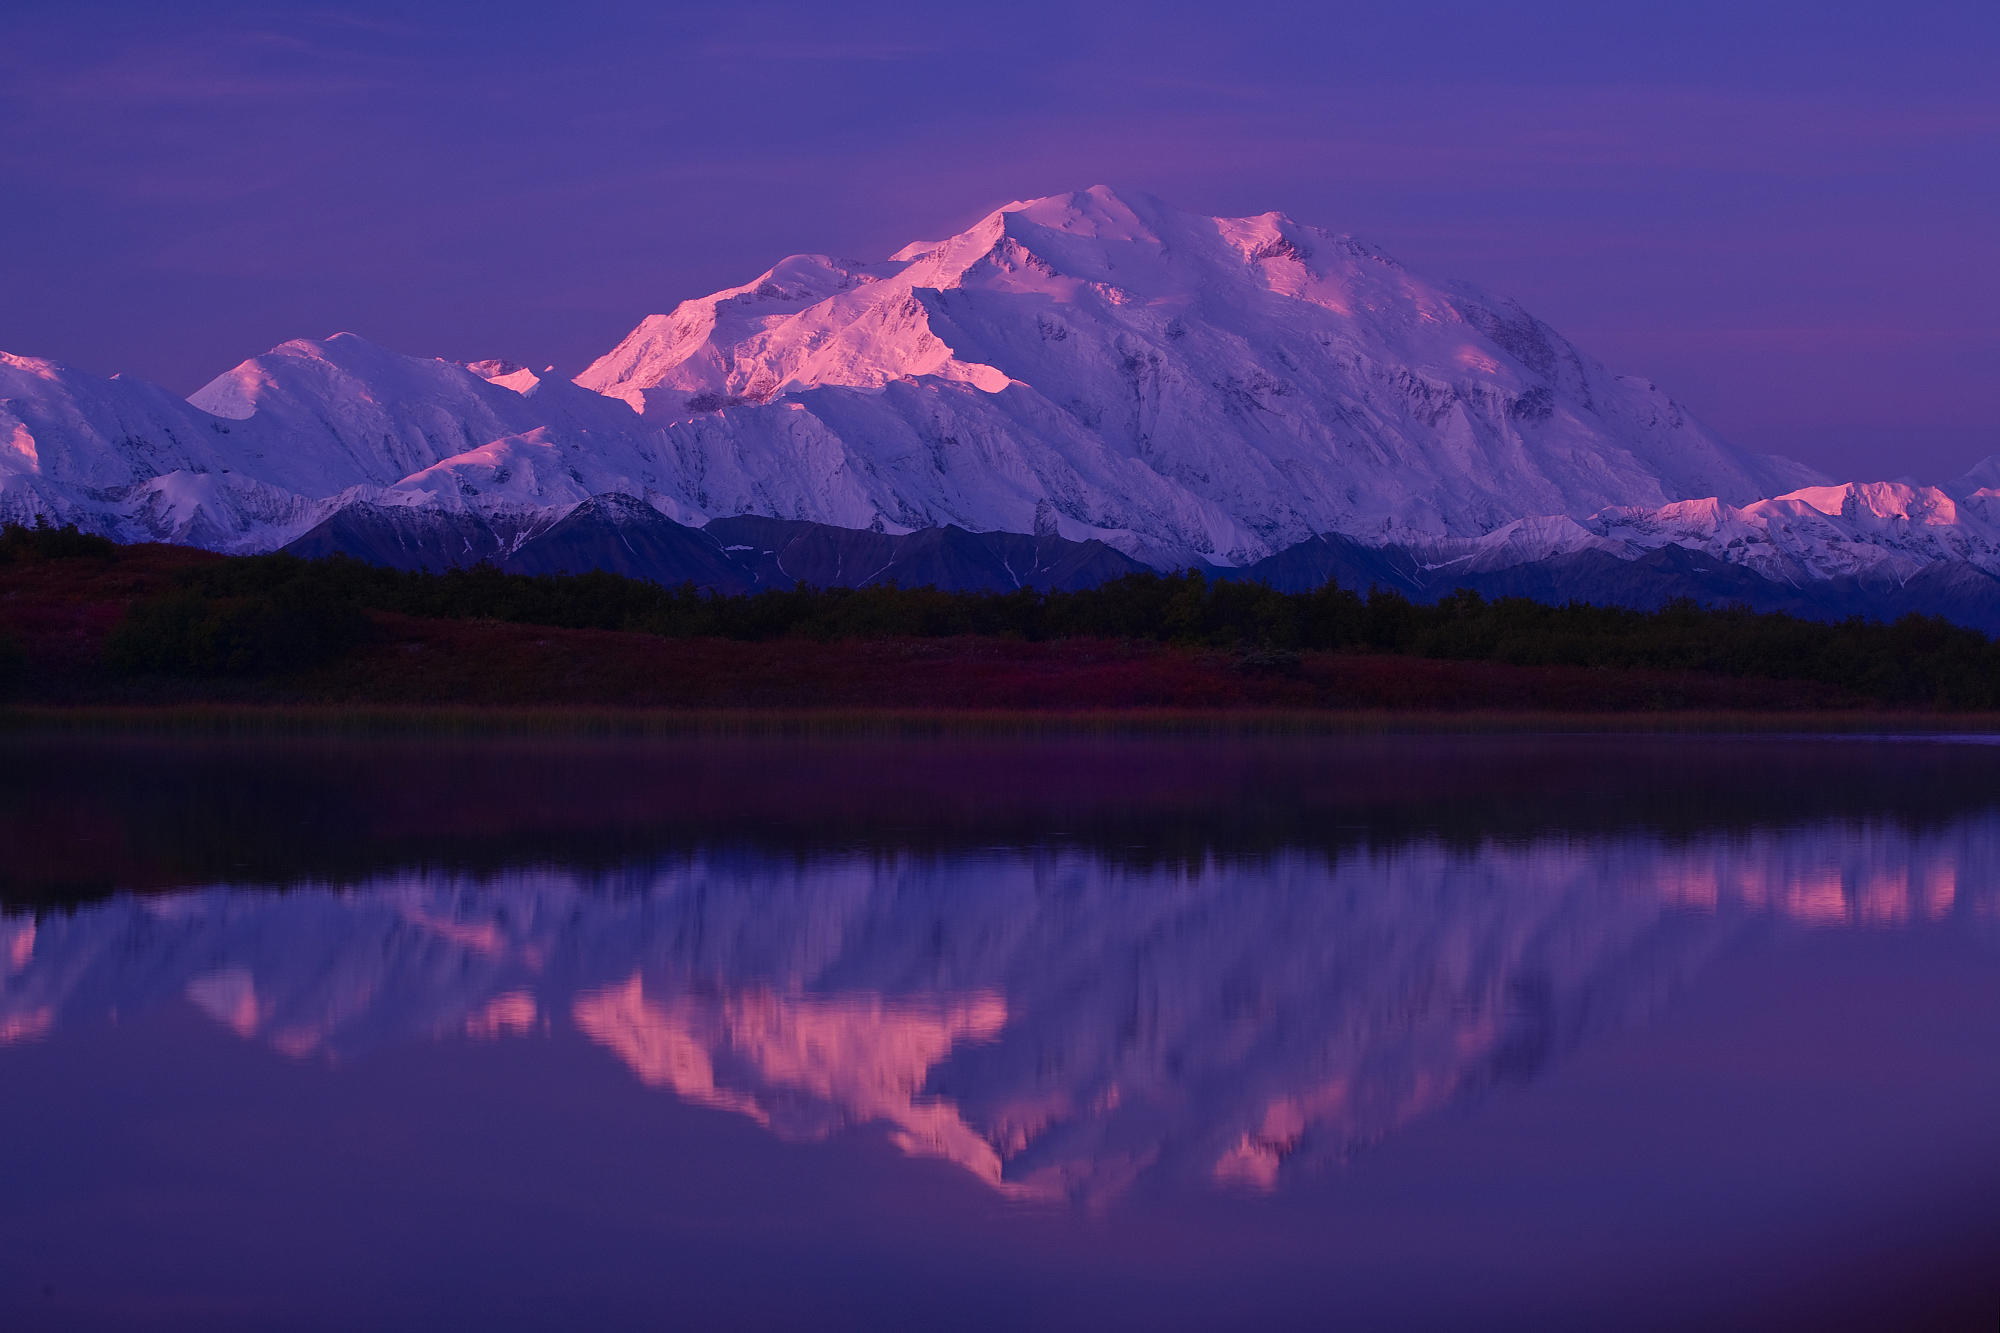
(1434, 1032)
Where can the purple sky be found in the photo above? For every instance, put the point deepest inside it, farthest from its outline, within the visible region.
(1787, 217)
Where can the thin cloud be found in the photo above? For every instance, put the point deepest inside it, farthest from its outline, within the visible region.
(820, 53)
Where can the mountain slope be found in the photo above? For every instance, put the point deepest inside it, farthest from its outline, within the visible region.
(1214, 388)
(625, 536)
(130, 460)
(403, 537)
(1643, 578)
(349, 413)
(1099, 370)
(786, 552)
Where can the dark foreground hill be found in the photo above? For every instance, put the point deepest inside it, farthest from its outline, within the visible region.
(86, 621)
(1961, 593)
(623, 535)
(620, 534)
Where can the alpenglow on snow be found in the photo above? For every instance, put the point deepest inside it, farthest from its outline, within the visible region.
(1180, 385)
(1084, 366)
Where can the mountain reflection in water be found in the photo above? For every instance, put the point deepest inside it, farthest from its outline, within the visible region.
(1055, 1020)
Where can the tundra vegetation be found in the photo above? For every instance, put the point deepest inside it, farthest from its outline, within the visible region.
(278, 615)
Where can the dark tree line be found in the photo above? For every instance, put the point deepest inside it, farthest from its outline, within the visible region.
(43, 541)
(278, 613)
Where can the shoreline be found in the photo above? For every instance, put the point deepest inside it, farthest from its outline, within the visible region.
(306, 720)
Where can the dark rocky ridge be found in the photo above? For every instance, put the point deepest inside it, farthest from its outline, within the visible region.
(621, 535)
(746, 553)
(404, 538)
(788, 552)
(624, 535)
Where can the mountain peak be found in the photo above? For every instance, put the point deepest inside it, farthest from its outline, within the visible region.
(1878, 500)
(1097, 206)
(1094, 363)
(1222, 385)
(1983, 475)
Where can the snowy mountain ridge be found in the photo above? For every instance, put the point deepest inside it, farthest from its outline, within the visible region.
(1093, 365)
(1886, 531)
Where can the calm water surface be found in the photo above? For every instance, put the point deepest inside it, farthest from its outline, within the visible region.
(1393, 1032)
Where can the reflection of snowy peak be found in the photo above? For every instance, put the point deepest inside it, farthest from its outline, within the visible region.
(1054, 1024)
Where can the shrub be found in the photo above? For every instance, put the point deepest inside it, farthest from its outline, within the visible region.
(278, 613)
(43, 542)
(186, 633)
(13, 665)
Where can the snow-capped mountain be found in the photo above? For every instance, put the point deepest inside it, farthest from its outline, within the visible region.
(1885, 531)
(1882, 530)
(1184, 386)
(1086, 366)
(273, 447)
(1881, 550)
(121, 456)
(1209, 387)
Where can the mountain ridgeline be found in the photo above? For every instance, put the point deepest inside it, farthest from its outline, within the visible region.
(621, 535)
(1072, 388)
